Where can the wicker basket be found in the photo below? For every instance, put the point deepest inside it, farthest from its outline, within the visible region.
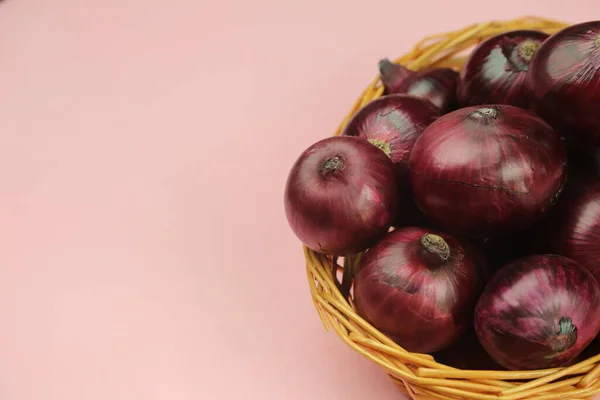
(419, 375)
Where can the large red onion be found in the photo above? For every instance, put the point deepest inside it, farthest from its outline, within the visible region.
(487, 170)
(538, 312)
(496, 70)
(564, 77)
(438, 85)
(419, 287)
(341, 195)
(576, 227)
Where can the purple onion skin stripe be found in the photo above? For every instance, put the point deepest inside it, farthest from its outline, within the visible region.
(538, 312)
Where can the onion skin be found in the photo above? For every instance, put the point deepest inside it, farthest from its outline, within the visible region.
(576, 230)
(538, 312)
(487, 170)
(418, 290)
(564, 77)
(496, 70)
(341, 195)
(437, 85)
(393, 123)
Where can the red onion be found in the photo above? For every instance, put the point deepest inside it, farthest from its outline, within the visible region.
(419, 287)
(538, 312)
(438, 85)
(496, 70)
(576, 228)
(341, 195)
(564, 77)
(487, 170)
(392, 123)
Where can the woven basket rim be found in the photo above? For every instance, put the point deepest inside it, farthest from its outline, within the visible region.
(419, 375)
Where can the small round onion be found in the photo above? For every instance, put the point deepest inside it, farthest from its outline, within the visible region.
(393, 123)
(538, 312)
(341, 195)
(437, 85)
(496, 70)
(419, 287)
(487, 170)
(564, 78)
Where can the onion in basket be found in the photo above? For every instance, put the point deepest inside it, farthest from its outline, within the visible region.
(341, 195)
(419, 287)
(487, 170)
(438, 85)
(496, 71)
(564, 77)
(538, 312)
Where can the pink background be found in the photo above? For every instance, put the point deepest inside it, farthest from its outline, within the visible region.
(144, 252)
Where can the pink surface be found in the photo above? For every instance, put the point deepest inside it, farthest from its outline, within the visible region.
(144, 252)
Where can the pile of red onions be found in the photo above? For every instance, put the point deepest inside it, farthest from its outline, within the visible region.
(453, 188)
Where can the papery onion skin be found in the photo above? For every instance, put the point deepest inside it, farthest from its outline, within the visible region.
(437, 85)
(393, 123)
(564, 77)
(341, 195)
(538, 312)
(496, 70)
(487, 170)
(418, 290)
(576, 227)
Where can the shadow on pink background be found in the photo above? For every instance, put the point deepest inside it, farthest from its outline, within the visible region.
(144, 252)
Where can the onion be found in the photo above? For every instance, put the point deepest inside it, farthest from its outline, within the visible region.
(418, 287)
(341, 195)
(392, 123)
(576, 227)
(564, 78)
(496, 70)
(487, 170)
(438, 85)
(538, 312)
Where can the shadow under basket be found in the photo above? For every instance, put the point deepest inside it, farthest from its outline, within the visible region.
(420, 376)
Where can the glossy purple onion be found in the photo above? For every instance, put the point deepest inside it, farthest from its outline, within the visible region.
(341, 195)
(496, 70)
(487, 170)
(437, 85)
(538, 312)
(419, 287)
(393, 123)
(575, 231)
(564, 77)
